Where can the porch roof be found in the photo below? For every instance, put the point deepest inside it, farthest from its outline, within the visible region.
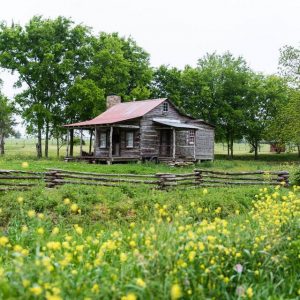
(174, 123)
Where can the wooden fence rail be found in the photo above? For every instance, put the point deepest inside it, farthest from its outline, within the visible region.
(22, 180)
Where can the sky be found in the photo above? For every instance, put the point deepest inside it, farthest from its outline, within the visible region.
(178, 32)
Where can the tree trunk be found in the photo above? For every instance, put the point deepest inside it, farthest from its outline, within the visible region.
(57, 147)
(228, 148)
(47, 140)
(2, 145)
(231, 147)
(255, 151)
(39, 144)
(298, 147)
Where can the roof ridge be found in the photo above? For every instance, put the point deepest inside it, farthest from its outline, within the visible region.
(136, 101)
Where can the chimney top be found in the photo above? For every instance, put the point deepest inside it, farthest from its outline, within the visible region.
(112, 100)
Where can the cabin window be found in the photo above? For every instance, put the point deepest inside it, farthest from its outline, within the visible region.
(165, 107)
(191, 137)
(103, 140)
(129, 139)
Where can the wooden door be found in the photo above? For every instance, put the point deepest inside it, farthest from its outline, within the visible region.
(116, 143)
(165, 142)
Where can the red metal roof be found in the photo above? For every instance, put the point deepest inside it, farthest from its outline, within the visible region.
(122, 112)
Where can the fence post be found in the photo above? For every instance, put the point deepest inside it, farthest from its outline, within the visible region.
(166, 180)
(283, 177)
(51, 179)
(198, 177)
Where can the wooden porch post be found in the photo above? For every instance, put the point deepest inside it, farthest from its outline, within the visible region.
(91, 137)
(195, 147)
(71, 142)
(110, 142)
(80, 142)
(67, 154)
(174, 143)
(95, 141)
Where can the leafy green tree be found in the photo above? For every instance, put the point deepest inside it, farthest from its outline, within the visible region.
(166, 83)
(289, 64)
(289, 115)
(285, 126)
(264, 97)
(47, 55)
(7, 121)
(216, 91)
(120, 66)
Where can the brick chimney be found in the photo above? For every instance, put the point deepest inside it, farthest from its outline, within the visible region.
(112, 100)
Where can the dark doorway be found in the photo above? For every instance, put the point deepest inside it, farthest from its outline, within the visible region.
(165, 143)
(116, 141)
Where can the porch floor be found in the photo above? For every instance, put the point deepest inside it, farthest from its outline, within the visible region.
(93, 159)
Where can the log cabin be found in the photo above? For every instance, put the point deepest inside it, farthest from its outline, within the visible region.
(146, 130)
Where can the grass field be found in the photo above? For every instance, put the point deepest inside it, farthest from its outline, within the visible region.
(26, 147)
(132, 242)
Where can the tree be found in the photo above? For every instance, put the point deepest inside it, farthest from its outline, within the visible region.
(166, 83)
(289, 114)
(216, 91)
(47, 55)
(289, 64)
(7, 121)
(120, 66)
(265, 95)
(285, 126)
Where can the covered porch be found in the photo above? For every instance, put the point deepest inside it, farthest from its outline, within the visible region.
(177, 140)
(106, 143)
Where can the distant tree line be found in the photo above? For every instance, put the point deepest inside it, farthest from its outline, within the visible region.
(66, 71)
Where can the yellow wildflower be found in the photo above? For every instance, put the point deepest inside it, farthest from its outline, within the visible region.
(192, 255)
(140, 282)
(20, 200)
(40, 230)
(74, 208)
(55, 230)
(129, 296)
(25, 283)
(78, 229)
(176, 292)
(123, 257)
(36, 290)
(25, 164)
(52, 297)
(31, 213)
(24, 228)
(67, 201)
(249, 292)
(3, 241)
(95, 288)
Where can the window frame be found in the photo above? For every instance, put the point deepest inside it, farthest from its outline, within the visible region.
(165, 107)
(101, 139)
(127, 139)
(192, 136)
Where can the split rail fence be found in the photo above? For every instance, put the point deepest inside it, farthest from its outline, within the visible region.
(22, 180)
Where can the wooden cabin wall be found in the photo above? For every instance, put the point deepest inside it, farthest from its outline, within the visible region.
(130, 152)
(101, 152)
(205, 138)
(124, 152)
(183, 148)
(150, 138)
